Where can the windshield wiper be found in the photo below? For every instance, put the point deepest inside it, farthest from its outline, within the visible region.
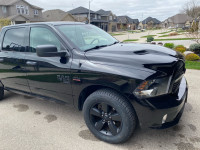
(96, 47)
(114, 43)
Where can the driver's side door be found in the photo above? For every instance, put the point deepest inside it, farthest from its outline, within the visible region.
(48, 76)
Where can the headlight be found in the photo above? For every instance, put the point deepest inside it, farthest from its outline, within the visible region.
(152, 88)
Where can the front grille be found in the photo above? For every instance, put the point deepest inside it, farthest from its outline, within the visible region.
(176, 79)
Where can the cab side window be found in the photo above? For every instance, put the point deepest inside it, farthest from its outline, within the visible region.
(42, 36)
(14, 40)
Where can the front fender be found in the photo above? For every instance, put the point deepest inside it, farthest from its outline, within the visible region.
(123, 80)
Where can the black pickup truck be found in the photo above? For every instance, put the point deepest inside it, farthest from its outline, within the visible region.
(118, 86)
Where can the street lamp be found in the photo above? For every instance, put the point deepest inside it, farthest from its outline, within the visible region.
(89, 10)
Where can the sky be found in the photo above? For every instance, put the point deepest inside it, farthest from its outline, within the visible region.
(136, 9)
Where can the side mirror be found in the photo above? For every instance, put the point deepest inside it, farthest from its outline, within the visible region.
(49, 51)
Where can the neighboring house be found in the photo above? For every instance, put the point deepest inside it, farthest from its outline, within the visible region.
(150, 23)
(178, 21)
(140, 25)
(135, 24)
(95, 18)
(127, 23)
(60, 15)
(199, 23)
(20, 11)
(122, 23)
(110, 18)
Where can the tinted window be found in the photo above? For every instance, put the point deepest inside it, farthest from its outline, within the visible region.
(14, 40)
(86, 36)
(42, 36)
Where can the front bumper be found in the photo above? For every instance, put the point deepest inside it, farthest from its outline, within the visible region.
(152, 112)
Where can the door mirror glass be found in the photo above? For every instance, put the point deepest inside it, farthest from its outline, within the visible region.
(49, 51)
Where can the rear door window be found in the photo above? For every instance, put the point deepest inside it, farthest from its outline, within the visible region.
(14, 40)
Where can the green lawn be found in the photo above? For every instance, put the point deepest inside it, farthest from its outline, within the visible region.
(115, 34)
(174, 39)
(134, 31)
(167, 35)
(130, 40)
(192, 65)
(147, 36)
(165, 32)
(181, 31)
(164, 35)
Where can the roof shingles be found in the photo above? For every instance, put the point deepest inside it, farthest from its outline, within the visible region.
(149, 19)
(80, 10)
(179, 19)
(103, 12)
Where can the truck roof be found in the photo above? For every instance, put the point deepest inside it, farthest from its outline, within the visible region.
(47, 23)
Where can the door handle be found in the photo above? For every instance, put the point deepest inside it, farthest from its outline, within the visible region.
(31, 63)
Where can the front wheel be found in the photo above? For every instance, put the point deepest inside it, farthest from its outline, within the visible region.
(109, 116)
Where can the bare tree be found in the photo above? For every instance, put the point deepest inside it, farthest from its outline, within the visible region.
(192, 9)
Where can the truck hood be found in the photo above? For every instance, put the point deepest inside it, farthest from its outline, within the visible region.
(132, 55)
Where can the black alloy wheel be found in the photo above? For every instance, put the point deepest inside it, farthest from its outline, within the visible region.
(106, 119)
(109, 116)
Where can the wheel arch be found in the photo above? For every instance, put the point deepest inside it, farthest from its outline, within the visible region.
(1, 84)
(92, 88)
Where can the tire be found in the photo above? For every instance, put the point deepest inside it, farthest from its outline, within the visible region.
(109, 116)
(1, 93)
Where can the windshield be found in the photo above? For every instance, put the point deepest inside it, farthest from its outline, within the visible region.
(86, 37)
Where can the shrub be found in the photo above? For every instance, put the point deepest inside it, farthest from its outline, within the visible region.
(4, 22)
(173, 34)
(180, 48)
(150, 38)
(160, 43)
(192, 57)
(169, 45)
(188, 52)
(195, 48)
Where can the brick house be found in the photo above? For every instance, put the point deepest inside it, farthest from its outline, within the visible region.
(110, 18)
(150, 23)
(20, 11)
(178, 21)
(127, 23)
(95, 18)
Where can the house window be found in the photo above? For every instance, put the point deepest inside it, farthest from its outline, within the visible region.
(22, 10)
(4, 9)
(26, 10)
(18, 9)
(110, 17)
(99, 17)
(35, 12)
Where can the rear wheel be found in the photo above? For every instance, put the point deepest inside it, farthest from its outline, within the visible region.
(1, 93)
(109, 116)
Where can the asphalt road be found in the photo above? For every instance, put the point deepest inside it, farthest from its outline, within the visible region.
(28, 123)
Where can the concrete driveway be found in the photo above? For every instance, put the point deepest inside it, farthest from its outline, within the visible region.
(28, 123)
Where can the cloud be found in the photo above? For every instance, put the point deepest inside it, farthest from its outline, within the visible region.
(141, 9)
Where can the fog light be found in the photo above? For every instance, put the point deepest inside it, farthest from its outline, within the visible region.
(164, 119)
